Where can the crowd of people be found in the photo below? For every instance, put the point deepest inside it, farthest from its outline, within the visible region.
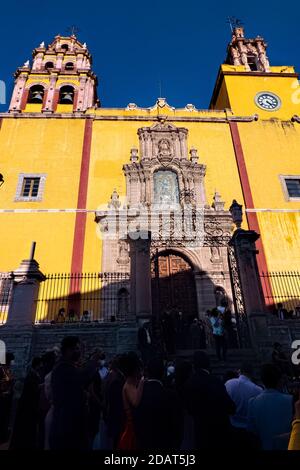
(283, 313)
(68, 402)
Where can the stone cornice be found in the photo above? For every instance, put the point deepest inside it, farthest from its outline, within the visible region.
(79, 115)
(222, 73)
(262, 74)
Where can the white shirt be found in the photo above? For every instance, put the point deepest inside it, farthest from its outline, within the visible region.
(240, 391)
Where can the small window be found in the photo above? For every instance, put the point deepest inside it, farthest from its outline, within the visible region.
(30, 187)
(252, 62)
(65, 47)
(69, 66)
(291, 187)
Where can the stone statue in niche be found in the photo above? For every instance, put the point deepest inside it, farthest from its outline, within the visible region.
(215, 254)
(123, 257)
(164, 148)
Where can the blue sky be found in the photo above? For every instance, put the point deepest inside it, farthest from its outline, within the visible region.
(135, 44)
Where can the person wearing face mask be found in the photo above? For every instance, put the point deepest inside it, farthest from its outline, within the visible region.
(103, 370)
(69, 382)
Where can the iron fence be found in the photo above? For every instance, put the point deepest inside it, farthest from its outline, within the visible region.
(283, 287)
(6, 288)
(83, 297)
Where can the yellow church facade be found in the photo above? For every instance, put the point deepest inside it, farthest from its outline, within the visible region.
(64, 159)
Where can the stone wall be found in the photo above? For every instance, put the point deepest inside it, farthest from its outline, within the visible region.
(26, 342)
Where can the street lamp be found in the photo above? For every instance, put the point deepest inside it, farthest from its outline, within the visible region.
(236, 211)
(1, 179)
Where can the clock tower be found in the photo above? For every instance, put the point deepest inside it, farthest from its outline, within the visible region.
(247, 83)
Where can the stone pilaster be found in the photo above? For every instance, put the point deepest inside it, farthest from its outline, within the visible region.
(140, 274)
(27, 279)
(243, 242)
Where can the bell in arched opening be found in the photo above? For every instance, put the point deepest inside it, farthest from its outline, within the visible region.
(36, 94)
(66, 95)
(49, 65)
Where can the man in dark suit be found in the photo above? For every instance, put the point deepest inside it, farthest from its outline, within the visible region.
(157, 419)
(208, 403)
(145, 341)
(69, 429)
(113, 413)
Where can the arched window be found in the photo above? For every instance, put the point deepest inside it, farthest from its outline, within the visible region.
(123, 303)
(66, 95)
(69, 66)
(252, 62)
(166, 188)
(36, 94)
(65, 47)
(49, 65)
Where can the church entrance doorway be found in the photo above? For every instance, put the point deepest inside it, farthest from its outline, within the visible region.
(174, 302)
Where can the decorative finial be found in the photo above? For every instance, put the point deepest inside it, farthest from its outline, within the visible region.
(218, 204)
(114, 200)
(236, 211)
(190, 107)
(84, 45)
(194, 155)
(42, 44)
(134, 154)
(26, 64)
(161, 102)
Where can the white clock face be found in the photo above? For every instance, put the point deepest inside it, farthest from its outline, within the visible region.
(267, 101)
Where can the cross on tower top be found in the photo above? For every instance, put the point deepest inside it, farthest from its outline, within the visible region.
(234, 22)
(73, 29)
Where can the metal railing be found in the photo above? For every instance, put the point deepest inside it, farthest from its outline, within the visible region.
(285, 289)
(83, 297)
(6, 288)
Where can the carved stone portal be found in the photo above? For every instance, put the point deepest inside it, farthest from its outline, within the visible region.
(166, 197)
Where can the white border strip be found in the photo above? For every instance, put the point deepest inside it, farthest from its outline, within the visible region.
(54, 211)
(273, 210)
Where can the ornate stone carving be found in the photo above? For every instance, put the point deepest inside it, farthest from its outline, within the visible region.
(215, 254)
(164, 145)
(241, 50)
(123, 258)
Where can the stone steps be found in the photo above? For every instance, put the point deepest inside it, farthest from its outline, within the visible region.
(235, 357)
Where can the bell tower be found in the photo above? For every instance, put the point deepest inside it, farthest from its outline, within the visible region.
(251, 53)
(248, 85)
(60, 79)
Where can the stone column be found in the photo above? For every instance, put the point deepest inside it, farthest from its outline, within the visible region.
(243, 242)
(49, 101)
(27, 279)
(140, 274)
(19, 92)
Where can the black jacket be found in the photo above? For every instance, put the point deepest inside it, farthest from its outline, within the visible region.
(158, 418)
(208, 402)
